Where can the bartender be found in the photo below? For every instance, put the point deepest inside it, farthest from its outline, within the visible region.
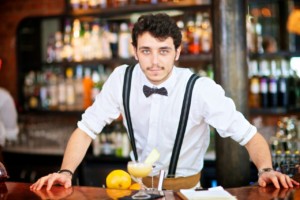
(151, 96)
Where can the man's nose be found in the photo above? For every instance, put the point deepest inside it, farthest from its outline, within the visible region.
(155, 58)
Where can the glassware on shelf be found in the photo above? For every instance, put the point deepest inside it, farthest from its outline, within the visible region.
(139, 170)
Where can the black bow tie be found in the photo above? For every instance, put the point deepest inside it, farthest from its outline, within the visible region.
(148, 91)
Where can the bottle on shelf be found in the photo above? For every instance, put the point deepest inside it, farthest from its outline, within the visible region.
(77, 41)
(96, 84)
(44, 97)
(185, 40)
(124, 42)
(62, 97)
(78, 88)
(283, 96)
(52, 88)
(84, 4)
(75, 4)
(113, 39)
(106, 41)
(67, 47)
(206, 34)
(70, 89)
(263, 83)
(87, 88)
(96, 45)
(254, 96)
(292, 89)
(58, 46)
(273, 85)
(86, 42)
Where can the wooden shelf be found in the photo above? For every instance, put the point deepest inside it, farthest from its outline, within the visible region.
(274, 111)
(280, 54)
(129, 9)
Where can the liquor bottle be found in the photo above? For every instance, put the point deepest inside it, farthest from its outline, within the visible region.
(44, 97)
(273, 86)
(258, 37)
(78, 88)
(124, 41)
(93, 3)
(58, 46)
(53, 91)
(96, 45)
(105, 42)
(113, 39)
(102, 3)
(96, 84)
(84, 4)
(61, 92)
(263, 84)
(77, 41)
(86, 42)
(194, 41)
(75, 4)
(206, 36)
(70, 90)
(283, 95)
(185, 40)
(292, 88)
(87, 88)
(254, 97)
(67, 47)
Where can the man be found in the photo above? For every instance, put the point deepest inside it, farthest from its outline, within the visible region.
(155, 117)
(8, 119)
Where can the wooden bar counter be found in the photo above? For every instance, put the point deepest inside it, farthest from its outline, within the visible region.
(20, 191)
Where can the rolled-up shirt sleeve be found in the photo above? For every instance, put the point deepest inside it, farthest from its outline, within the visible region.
(220, 112)
(105, 109)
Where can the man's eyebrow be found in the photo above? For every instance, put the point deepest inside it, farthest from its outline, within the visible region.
(161, 48)
(165, 47)
(144, 47)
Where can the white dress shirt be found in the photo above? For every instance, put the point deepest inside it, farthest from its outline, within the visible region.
(8, 118)
(155, 119)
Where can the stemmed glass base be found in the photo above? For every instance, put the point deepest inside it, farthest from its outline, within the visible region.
(141, 194)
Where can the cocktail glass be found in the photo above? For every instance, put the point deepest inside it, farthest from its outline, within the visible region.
(139, 170)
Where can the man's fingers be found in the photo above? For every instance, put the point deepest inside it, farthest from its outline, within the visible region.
(261, 182)
(51, 180)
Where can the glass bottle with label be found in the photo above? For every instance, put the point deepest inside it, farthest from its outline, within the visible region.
(283, 97)
(254, 97)
(70, 90)
(263, 83)
(273, 89)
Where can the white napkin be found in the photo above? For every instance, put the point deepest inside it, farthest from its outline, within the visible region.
(216, 193)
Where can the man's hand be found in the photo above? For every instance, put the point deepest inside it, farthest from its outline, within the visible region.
(277, 179)
(63, 179)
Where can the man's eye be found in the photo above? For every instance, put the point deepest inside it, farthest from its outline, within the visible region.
(145, 51)
(164, 51)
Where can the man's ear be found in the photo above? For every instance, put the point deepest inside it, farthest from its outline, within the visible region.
(177, 55)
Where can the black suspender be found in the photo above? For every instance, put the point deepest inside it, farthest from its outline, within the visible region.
(126, 94)
(182, 123)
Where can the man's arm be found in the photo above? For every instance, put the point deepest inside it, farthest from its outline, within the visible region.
(259, 152)
(76, 149)
(74, 153)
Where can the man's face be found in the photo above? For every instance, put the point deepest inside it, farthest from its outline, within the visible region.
(156, 57)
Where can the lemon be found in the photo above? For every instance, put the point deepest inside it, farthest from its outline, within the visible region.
(118, 179)
(152, 157)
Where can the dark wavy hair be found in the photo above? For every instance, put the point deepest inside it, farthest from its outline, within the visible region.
(160, 26)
